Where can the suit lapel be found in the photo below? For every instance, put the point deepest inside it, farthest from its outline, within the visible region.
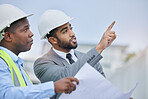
(56, 58)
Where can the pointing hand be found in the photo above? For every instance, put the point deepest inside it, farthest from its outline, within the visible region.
(107, 38)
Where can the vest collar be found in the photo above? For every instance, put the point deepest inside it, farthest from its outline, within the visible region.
(14, 57)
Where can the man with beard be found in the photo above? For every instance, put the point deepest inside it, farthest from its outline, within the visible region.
(62, 60)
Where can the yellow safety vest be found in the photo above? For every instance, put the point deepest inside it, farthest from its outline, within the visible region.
(15, 73)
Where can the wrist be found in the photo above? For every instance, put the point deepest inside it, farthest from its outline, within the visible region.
(55, 90)
(99, 49)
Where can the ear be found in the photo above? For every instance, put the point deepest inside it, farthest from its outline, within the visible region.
(8, 36)
(53, 40)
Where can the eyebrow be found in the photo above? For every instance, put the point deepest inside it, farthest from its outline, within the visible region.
(27, 26)
(65, 28)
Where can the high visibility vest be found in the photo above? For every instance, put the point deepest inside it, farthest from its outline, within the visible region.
(15, 73)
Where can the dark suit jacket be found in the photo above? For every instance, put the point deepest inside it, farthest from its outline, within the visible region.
(52, 67)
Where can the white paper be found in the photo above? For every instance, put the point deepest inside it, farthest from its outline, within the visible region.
(92, 85)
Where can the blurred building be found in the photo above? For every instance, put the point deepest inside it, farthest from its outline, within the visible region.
(135, 70)
(113, 58)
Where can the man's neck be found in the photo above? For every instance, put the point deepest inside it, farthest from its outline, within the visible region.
(62, 50)
(10, 48)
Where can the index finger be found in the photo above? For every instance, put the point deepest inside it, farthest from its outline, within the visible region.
(110, 27)
(74, 79)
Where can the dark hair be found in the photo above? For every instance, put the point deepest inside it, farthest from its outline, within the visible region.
(14, 25)
(52, 33)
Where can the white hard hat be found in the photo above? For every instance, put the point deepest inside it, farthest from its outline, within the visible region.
(50, 20)
(8, 15)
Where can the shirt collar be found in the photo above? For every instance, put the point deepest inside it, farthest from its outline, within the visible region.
(63, 54)
(14, 57)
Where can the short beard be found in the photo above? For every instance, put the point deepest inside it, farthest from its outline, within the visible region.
(66, 46)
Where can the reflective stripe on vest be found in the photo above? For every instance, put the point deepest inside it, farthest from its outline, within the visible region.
(15, 73)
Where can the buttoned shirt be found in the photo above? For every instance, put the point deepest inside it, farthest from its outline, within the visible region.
(9, 91)
(63, 54)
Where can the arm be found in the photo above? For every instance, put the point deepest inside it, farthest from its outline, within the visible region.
(47, 70)
(9, 91)
(99, 68)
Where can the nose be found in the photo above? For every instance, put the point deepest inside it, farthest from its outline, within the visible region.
(72, 33)
(30, 34)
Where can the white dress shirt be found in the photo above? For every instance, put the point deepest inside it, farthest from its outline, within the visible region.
(63, 54)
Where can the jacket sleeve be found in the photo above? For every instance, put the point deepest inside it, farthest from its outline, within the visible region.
(47, 70)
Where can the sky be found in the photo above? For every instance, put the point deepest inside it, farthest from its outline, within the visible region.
(91, 19)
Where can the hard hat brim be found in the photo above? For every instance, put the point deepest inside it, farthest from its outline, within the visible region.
(43, 37)
(10, 22)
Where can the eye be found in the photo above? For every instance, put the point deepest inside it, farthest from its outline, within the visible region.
(65, 31)
(25, 30)
(71, 28)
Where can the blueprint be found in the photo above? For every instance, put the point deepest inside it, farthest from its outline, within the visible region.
(92, 85)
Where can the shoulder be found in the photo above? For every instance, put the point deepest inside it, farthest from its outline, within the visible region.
(49, 58)
(42, 59)
(3, 65)
(78, 52)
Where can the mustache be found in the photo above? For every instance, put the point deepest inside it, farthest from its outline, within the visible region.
(73, 37)
(30, 41)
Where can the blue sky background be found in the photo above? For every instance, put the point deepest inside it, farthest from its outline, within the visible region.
(92, 17)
